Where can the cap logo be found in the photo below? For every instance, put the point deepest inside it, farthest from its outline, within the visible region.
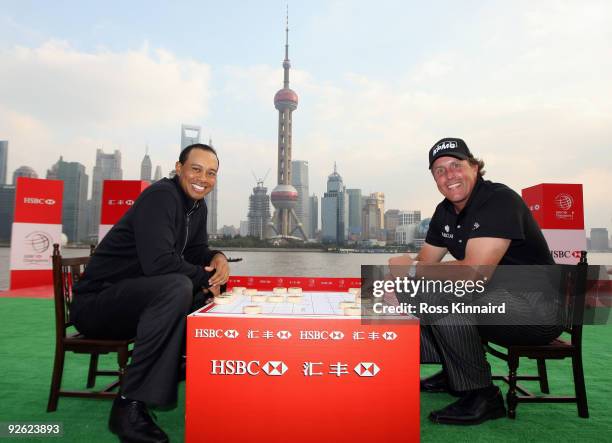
(443, 146)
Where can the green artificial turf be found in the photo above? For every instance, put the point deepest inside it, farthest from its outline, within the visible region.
(26, 361)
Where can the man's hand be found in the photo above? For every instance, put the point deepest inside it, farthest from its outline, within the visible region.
(399, 264)
(401, 260)
(222, 270)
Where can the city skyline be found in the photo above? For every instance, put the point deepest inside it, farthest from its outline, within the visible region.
(525, 85)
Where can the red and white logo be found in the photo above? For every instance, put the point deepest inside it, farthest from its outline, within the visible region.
(367, 369)
(336, 335)
(39, 201)
(231, 333)
(120, 202)
(275, 368)
(564, 201)
(283, 335)
(389, 335)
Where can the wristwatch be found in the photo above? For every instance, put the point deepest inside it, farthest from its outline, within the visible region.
(412, 269)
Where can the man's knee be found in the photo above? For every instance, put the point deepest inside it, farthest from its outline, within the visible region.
(175, 290)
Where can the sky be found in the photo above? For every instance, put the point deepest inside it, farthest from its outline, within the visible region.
(527, 84)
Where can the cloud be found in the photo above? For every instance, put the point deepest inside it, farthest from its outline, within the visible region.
(55, 99)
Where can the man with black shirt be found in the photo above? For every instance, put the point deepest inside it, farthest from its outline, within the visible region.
(142, 281)
(485, 224)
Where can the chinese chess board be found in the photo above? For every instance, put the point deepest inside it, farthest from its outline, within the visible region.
(305, 353)
(316, 304)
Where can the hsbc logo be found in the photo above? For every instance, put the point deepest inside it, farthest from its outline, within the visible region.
(366, 369)
(283, 335)
(275, 368)
(231, 333)
(242, 367)
(336, 335)
(215, 333)
(444, 146)
(321, 335)
(389, 335)
(234, 367)
(565, 254)
(39, 201)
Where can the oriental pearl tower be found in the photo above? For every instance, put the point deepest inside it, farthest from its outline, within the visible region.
(284, 196)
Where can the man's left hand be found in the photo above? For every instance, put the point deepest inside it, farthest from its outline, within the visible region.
(222, 270)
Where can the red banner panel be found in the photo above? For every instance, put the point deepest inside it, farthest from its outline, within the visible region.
(38, 201)
(556, 205)
(117, 197)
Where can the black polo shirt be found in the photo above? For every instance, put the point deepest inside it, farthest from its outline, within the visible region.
(492, 210)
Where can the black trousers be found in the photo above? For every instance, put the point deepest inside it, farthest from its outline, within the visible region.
(152, 309)
(455, 341)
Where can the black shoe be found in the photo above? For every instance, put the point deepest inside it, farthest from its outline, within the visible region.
(473, 408)
(437, 383)
(130, 420)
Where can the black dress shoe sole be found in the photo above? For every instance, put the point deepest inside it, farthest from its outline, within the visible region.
(441, 391)
(490, 415)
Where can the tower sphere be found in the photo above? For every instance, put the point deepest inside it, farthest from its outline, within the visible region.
(284, 197)
(285, 98)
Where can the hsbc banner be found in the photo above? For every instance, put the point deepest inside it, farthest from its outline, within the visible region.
(556, 205)
(559, 210)
(117, 197)
(37, 225)
(565, 244)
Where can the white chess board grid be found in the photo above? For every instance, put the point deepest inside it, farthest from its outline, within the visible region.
(313, 304)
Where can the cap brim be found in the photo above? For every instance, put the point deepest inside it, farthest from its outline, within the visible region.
(459, 155)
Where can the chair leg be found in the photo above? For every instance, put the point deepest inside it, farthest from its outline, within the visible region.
(56, 378)
(543, 376)
(93, 368)
(122, 359)
(511, 397)
(581, 398)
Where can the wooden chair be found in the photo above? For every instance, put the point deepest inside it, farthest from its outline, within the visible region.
(66, 272)
(574, 279)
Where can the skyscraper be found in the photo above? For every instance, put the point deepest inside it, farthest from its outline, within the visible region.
(190, 134)
(146, 167)
(373, 217)
(284, 196)
(24, 171)
(7, 211)
(259, 211)
(409, 217)
(3, 160)
(313, 207)
(355, 209)
(599, 239)
(392, 221)
(299, 180)
(108, 167)
(334, 211)
(74, 215)
(158, 173)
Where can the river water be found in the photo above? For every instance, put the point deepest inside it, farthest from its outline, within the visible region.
(288, 263)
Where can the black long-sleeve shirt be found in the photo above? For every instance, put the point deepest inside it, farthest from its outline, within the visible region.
(163, 232)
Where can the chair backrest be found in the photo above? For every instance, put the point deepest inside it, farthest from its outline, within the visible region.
(574, 283)
(66, 272)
